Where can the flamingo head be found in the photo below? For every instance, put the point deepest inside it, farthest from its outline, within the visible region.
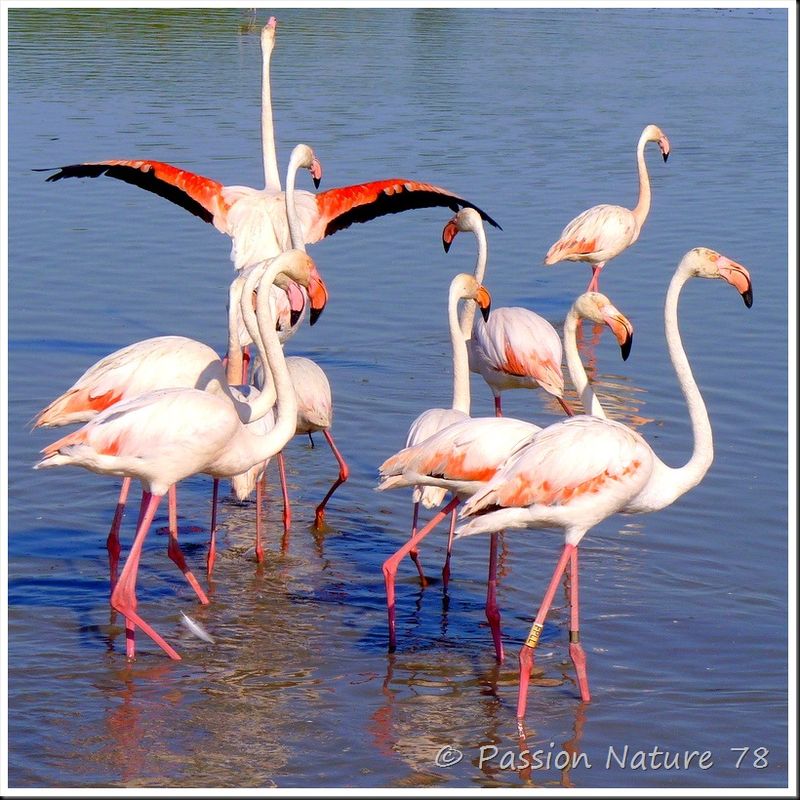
(467, 219)
(268, 34)
(652, 133)
(303, 156)
(597, 308)
(465, 287)
(706, 263)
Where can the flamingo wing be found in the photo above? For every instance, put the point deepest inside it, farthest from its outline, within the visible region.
(199, 195)
(579, 456)
(339, 208)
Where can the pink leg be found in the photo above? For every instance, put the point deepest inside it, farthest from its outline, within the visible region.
(344, 474)
(498, 406)
(566, 406)
(446, 567)
(212, 542)
(259, 503)
(287, 509)
(391, 564)
(526, 652)
(414, 552)
(123, 598)
(492, 609)
(112, 542)
(594, 282)
(174, 550)
(576, 652)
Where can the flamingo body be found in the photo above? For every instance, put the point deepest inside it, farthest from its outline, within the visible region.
(516, 349)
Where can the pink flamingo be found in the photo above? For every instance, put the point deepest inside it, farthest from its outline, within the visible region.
(576, 473)
(164, 436)
(462, 287)
(463, 456)
(515, 348)
(603, 232)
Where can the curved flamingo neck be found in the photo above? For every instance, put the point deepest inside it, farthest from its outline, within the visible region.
(259, 447)
(295, 230)
(642, 207)
(676, 481)
(461, 394)
(470, 307)
(272, 178)
(577, 372)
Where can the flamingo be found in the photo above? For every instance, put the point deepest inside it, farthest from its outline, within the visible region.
(315, 402)
(462, 287)
(578, 472)
(463, 456)
(162, 437)
(603, 232)
(515, 348)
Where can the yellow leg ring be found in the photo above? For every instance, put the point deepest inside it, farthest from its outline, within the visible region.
(533, 636)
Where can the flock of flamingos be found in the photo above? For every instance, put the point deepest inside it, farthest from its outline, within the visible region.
(166, 408)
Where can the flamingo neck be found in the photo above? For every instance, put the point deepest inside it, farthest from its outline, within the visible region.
(461, 394)
(295, 231)
(642, 208)
(577, 372)
(235, 359)
(272, 178)
(259, 447)
(470, 307)
(674, 482)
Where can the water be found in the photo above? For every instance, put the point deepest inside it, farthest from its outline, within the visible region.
(534, 115)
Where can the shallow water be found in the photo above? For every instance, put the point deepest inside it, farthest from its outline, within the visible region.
(533, 115)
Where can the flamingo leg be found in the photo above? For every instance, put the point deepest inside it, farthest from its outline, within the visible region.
(414, 552)
(492, 609)
(259, 503)
(174, 549)
(112, 542)
(344, 474)
(287, 509)
(446, 567)
(526, 652)
(123, 598)
(212, 542)
(594, 282)
(391, 564)
(576, 652)
(498, 406)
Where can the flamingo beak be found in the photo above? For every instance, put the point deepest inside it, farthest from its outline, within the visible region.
(623, 332)
(448, 234)
(738, 277)
(484, 301)
(317, 295)
(316, 173)
(663, 143)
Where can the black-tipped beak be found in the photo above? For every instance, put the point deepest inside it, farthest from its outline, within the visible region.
(314, 315)
(625, 347)
(317, 182)
(747, 296)
(485, 312)
(446, 244)
(666, 156)
(294, 317)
